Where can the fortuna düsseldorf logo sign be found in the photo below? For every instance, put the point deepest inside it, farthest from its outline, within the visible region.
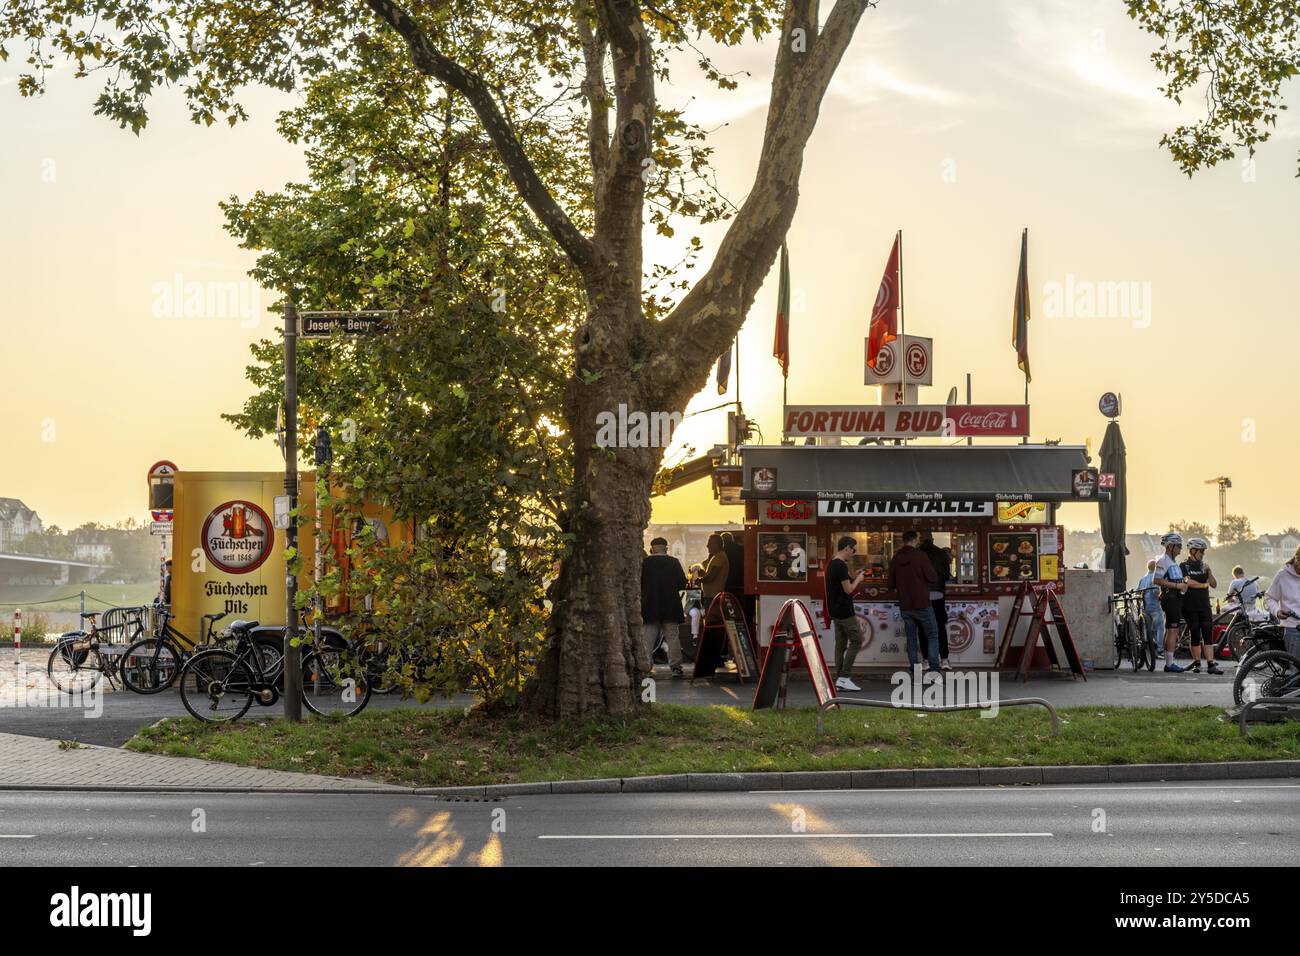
(237, 537)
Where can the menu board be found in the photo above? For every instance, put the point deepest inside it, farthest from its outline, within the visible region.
(1013, 556)
(782, 557)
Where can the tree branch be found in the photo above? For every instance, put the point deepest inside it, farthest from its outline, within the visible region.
(594, 91)
(711, 314)
(618, 209)
(532, 190)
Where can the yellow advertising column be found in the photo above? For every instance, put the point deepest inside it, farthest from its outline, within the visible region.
(227, 555)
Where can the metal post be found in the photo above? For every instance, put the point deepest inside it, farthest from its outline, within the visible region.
(83, 605)
(969, 440)
(292, 654)
(323, 456)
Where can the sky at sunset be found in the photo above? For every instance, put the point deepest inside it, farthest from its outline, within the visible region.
(959, 123)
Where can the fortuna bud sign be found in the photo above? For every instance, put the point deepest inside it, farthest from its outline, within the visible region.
(906, 421)
(237, 537)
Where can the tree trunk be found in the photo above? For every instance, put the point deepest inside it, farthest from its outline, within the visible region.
(595, 657)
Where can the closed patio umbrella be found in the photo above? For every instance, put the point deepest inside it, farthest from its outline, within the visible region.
(1114, 512)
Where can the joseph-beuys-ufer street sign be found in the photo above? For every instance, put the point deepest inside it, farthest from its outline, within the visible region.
(314, 324)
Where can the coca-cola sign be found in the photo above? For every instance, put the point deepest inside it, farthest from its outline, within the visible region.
(975, 421)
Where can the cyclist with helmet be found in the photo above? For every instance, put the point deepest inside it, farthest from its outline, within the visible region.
(1169, 579)
(1197, 616)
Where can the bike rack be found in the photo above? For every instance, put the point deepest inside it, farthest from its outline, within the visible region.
(890, 705)
(1261, 702)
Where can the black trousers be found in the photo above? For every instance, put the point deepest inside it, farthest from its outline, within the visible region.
(941, 618)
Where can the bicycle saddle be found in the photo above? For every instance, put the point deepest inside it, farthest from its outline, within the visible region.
(243, 625)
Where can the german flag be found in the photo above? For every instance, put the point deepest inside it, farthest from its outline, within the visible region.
(1020, 321)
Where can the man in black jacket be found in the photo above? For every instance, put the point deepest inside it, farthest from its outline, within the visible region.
(942, 561)
(662, 580)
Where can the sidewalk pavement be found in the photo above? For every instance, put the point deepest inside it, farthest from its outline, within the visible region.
(34, 763)
(1122, 688)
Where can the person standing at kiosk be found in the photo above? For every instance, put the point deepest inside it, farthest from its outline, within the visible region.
(912, 576)
(941, 559)
(839, 605)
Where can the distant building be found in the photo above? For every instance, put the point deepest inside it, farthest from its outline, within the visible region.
(686, 542)
(95, 547)
(1275, 549)
(17, 521)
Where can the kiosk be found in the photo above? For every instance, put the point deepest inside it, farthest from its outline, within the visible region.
(993, 507)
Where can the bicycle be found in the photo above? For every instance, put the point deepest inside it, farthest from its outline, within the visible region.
(78, 659)
(218, 684)
(1272, 673)
(150, 665)
(1238, 625)
(1131, 637)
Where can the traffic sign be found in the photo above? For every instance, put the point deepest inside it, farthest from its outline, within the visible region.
(160, 527)
(364, 322)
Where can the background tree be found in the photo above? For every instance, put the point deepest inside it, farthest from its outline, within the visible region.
(1235, 529)
(1240, 52)
(607, 56)
(1192, 529)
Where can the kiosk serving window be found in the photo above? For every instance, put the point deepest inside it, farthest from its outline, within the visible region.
(875, 551)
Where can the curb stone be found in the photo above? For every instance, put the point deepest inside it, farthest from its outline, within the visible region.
(768, 780)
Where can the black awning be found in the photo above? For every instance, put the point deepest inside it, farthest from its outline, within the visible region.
(915, 473)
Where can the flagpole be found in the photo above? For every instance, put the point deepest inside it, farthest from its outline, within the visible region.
(902, 318)
(1024, 439)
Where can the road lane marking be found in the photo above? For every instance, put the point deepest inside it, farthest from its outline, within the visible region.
(782, 836)
(17, 836)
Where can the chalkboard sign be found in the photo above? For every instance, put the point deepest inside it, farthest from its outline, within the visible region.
(725, 629)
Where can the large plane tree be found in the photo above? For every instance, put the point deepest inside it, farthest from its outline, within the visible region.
(614, 54)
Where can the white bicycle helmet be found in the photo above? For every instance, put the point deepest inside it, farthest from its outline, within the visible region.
(1199, 544)
(1173, 537)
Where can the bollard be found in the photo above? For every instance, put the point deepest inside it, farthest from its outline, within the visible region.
(18, 635)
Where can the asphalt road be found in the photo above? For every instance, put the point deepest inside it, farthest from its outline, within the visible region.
(1208, 824)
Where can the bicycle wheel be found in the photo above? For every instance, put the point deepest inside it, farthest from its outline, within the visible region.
(73, 671)
(1238, 637)
(1267, 674)
(1136, 652)
(1119, 646)
(216, 686)
(149, 666)
(1153, 652)
(333, 682)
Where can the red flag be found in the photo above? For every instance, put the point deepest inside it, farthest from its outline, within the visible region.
(781, 347)
(884, 314)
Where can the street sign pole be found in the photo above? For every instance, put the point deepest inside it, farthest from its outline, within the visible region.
(292, 654)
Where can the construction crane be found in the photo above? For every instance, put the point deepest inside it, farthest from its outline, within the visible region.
(1224, 484)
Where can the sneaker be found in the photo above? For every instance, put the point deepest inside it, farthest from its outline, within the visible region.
(1174, 669)
(944, 665)
(677, 673)
(1214, 668)
(843, 683)
(1194, 669)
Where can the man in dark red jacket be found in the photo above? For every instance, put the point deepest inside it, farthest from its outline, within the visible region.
(911, 576)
